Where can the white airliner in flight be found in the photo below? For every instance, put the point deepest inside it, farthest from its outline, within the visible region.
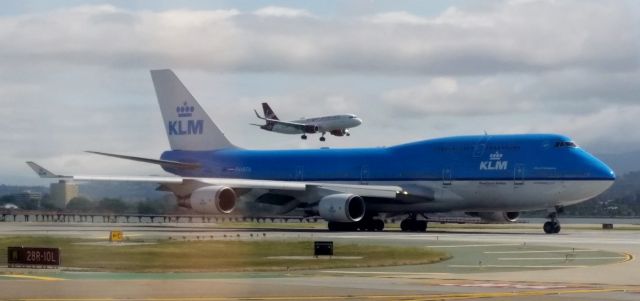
(337, 125)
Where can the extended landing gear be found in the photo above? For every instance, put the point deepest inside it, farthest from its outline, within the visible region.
(322, 138)
(362, 225)
(552, 226)
(412, 224)
(304, 137)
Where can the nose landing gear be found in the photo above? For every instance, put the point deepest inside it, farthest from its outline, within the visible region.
(552, 226)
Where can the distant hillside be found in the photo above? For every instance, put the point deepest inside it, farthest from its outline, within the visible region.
(622, 163)
(127, 191)
(9, 189)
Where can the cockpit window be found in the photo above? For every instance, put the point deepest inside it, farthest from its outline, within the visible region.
(566, 144)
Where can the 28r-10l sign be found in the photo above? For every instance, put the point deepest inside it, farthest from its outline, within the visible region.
(32, 257)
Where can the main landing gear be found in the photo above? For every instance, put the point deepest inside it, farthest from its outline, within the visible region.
(322, 138)
(412, 224)
(365, 224)
(552, 226)
(304, 137)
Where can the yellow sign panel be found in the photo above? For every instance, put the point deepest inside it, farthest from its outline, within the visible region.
(116, 235)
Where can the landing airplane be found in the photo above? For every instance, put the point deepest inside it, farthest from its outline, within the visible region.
(494, 177)
(337, 125)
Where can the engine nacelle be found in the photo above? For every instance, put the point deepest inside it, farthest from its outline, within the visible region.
(311, 129)
(213, 200)
(338, 133)
(341, 207)
(496, 217)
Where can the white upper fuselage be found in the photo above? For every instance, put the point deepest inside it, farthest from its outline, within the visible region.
(324, 123)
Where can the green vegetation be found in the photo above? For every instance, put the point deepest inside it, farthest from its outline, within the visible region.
(218, 255)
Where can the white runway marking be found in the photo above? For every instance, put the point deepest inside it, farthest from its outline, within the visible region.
(314, 257)
(565, 258)
(384, 273)
(469, 246)
(549, 251)
(516, 266)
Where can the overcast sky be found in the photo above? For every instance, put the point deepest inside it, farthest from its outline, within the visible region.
(74, 75)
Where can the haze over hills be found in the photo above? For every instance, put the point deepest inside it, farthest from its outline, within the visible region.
(622, 163)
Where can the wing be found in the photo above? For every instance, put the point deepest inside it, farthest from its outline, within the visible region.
(294, 125)
(378, 191)
(167, 163)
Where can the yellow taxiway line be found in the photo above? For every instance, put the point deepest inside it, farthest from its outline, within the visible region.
(32, 277)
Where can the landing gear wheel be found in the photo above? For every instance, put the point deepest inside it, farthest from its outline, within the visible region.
(322, 139)
(348, 134)
(378, 225)
(405, 225)
(551, 227)
(421, 226)
(304, 137)
(413, 225)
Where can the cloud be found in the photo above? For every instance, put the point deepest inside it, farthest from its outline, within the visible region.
(514, 37)
(77, 78)
(276, 11)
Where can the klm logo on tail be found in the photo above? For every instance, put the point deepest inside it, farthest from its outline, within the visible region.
(185, 126)
(495, 162)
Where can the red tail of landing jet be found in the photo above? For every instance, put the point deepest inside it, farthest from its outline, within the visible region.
(268, 112)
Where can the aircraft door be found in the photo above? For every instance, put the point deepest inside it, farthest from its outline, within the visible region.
(299, 174)
(479, 148)
(364, 175)
(518, 175)
(446, 177)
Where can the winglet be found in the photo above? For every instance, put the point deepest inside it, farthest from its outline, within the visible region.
(41, 171)
(258, 115)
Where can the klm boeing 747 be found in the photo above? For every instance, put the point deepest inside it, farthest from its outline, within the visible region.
(494, 177)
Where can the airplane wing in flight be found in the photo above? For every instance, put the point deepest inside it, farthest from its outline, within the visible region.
(301, 127)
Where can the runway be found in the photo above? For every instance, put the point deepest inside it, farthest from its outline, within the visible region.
(515, 263)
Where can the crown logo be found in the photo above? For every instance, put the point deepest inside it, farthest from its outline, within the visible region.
(185, 110)
(495, 156)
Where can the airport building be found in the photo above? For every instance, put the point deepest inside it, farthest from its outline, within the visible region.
(27, 196)
(62, 192)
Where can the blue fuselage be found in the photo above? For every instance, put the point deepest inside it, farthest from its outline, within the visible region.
(467, 173)
(466, 158)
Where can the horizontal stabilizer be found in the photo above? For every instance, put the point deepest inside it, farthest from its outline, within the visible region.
(166, 163)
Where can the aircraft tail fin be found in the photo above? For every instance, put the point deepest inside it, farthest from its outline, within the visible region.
(187, 125)
(268, 112)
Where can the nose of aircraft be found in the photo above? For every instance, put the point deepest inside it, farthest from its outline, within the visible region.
(358, 121)
(602, 170)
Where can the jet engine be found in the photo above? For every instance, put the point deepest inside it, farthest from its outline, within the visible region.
(496, 217)
(213, 200)
(342, 207)
(311, 129)
(339, 133)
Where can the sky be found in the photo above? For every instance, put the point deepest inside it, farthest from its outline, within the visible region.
(74, 75)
